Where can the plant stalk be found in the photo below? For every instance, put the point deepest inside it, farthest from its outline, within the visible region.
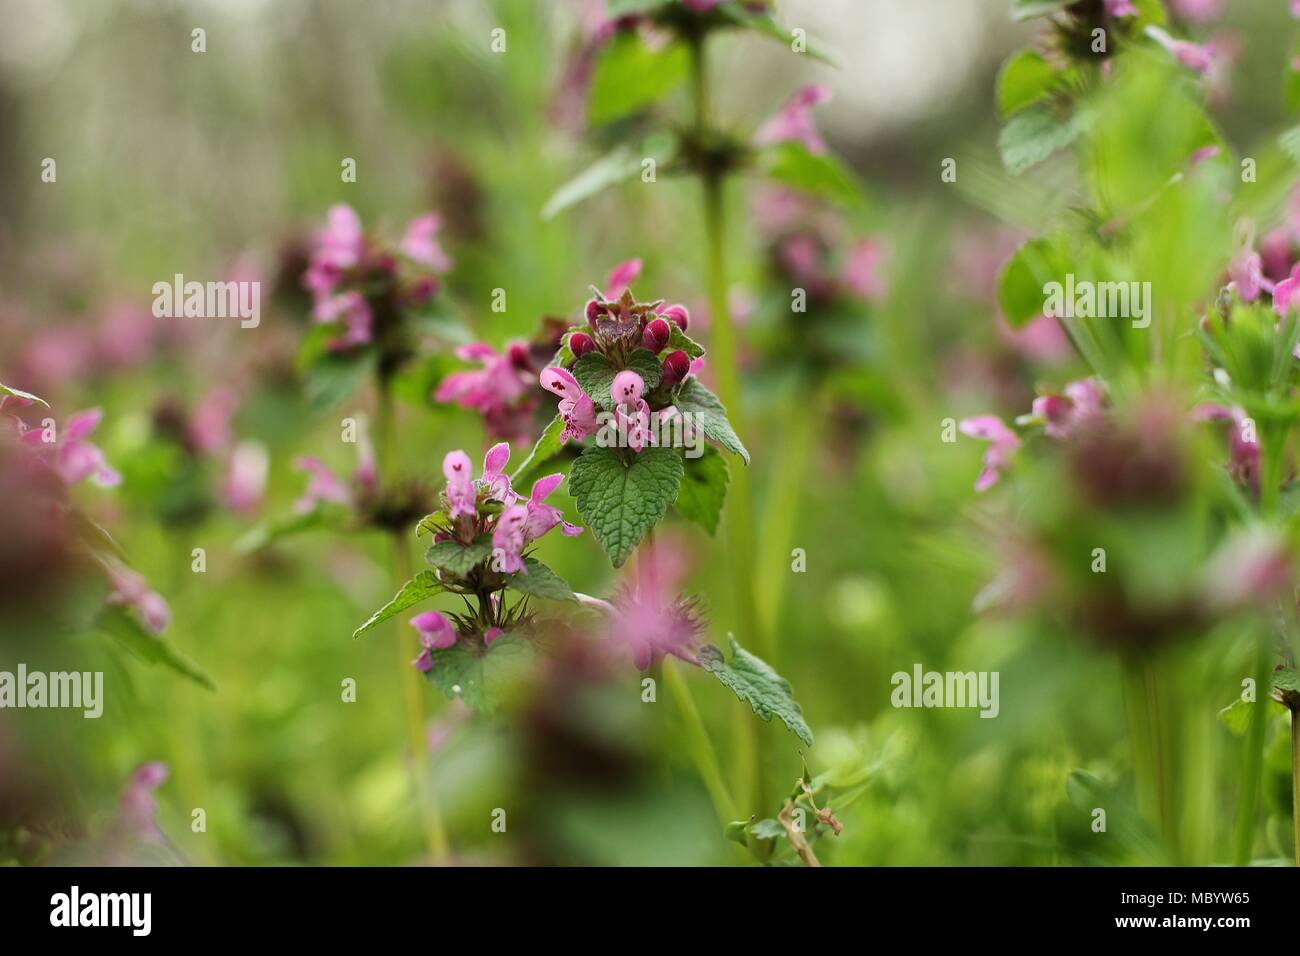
(1244, 837)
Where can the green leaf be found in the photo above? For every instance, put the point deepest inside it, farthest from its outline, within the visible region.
(456, 558)
(332, 377)
(1290, 142)
(1286, 680)
(1025, 79)
(630, 76)
(595, 373)
(540, 581)
(1032, 136)
(1023, 278)
(1029, 9)
(709, 414)
(703, 490)
(1236, 716)
(752, 680)
(616, 166)
(761, 21)
(19, 393)
(122, 626)
(820, 175)
(621, 502)
(421, 587)
(677, 339)
(545, 449)
(282, 526)
(768, 829)
(482, 678)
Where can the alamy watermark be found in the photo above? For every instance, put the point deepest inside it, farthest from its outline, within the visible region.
(209, 300)
(1098, 300)
(923, 688)
(676, 430)
(83, 690)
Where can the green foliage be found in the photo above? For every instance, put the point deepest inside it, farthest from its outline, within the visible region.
(1025, 79)
(1020, 285)
(710, 415)
(122, 626)
(754, 681)
(1033, 135)
(420, 588)
(545, 450)
(484, 678)
(623, 498)
(703, 489)
(540, 581)
(459, 559)
(630, 76)
(595, 373)
(19, 393)
(817, 174)
(619, 165)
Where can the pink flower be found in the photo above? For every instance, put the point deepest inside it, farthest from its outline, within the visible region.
(862, 270)
(1062, 414)
(541, 517)
(502, 379)
(649, 617)
(1191, 55)
(1243, 443)
(352, 309)
(130, 590)
(246, 477)
(509, 538)
(322, 485)
(491, 634)
(1004, 444)
(1287, 292)
(1121, 8)
(576, 408)
(460, 484)
(495, 479)
(76, 459)
(621, 278)
(138, 808)
(209, 428)
(421, 244)
(1246, 273)
(339, 247)
(794, 122)
(1252, 568)
(436, 633)
(1202, 11)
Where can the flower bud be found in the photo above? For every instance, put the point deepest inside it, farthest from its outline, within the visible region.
(678, 314)
(676, 367)
(594, 311)
(656, 335)
(627, 388)
(580, 343)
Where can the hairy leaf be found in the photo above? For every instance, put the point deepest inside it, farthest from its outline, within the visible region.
(709, 414)
(620, 501)
(540, 581)
(703, 490)
(421, 587)
(752, 680)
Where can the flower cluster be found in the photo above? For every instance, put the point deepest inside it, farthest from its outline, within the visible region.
(359, 285)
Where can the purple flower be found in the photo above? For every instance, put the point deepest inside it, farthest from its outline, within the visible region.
(541, 517)
(794, 121)
(339, 247)
(576, 408)
(209, 428)
(246, 477)
(420, 243)
(621, 278)
(1251, 569)
(502, 379)
(436, 633)
(862, 270)
(1246, 273)
(352, 309)
(460, 484)
(1243, 444)
(509, 538)
(137, 808)
(1004, 443)
(1121, 8)
(322, 485)
(1191, 55)
(649, 617)
(495, 479)
(1201, 11)
(1287, 292)
(1062, 414)
(130, 590)
(76, 459)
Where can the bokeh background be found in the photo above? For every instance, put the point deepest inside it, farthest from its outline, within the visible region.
(224, 163)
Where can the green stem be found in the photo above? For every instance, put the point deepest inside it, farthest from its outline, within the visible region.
(407, 650)
(1245, 830)
(702, 752)
(739, 519)
(1141, 740)
(1295, 781)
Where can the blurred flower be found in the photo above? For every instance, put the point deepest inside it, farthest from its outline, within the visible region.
(322, 485)
(138, 807)
(245, 481)
(1251, 569)
(794, 121)
(130, 590)
(209, 426)
(74, 458)
(1004, 443)
(1062, 414)
(649, 618)
(621, 278)
(436, 633)
(1197, 11)
(421, 244)
(1191, 55)
(1286, 293)
(1121, 8)
(862, 270)
(1243, 444)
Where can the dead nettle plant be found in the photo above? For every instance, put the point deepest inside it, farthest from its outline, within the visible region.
(1131, 519)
